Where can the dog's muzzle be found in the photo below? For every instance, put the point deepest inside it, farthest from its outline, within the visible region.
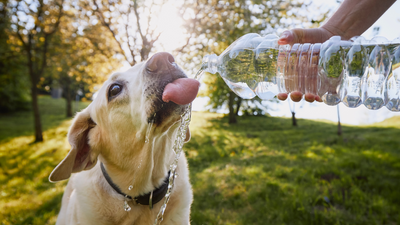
(160, 70)
(161, 62)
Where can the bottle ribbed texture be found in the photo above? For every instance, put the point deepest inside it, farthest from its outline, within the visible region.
(355, 71)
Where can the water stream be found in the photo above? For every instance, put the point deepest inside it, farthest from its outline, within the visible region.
(177, 147)
(150, 125)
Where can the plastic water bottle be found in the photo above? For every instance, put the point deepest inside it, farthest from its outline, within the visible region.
(355, 71)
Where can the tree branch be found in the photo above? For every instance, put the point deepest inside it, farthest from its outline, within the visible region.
(44, 54)
(137, 21)
(18, 30)
(60, 13)
(46, 39)
(185, 45)
(149, 18)
(107, 25)
(127, 35)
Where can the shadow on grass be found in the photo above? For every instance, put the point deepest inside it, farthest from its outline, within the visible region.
(52, 112)
(44, 213)
(27, 197)
(264, 171)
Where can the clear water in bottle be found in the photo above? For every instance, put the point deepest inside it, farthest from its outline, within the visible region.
(393, 83)
(238, 72)
(378, 70)
(265, 65)
(355, 71)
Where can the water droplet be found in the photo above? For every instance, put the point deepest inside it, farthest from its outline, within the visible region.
(198, 74)
(148, 131)
(127, 208)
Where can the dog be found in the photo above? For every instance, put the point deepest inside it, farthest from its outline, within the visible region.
(121, 150)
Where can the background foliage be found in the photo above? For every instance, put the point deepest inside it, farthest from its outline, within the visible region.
(14, 83)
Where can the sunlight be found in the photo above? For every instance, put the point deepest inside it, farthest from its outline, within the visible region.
(170, 25)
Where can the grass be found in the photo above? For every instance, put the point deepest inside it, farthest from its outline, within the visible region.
(259, 171)
(26, 195)
(264, 171)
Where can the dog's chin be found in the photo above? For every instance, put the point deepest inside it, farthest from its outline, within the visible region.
(163, 112)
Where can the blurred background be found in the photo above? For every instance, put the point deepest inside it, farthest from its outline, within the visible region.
(251, 161)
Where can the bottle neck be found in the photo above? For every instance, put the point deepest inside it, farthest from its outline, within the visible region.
(210, 64)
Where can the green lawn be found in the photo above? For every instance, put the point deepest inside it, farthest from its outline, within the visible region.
(259, 171)
(26, 195)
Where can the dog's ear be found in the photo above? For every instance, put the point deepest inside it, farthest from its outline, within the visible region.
(188, 135)
(80, 157)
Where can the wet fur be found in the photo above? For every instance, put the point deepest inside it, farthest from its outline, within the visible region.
(113, 132)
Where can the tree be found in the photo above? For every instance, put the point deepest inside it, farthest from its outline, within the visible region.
(219, 23)
(339, 131)
(293, 111)
(34, 23)
(13, 81)
(132, 25)
(83, 56)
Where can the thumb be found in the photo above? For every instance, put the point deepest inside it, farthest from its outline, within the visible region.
(298, 35)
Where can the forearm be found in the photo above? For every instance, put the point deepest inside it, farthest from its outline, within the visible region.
(355, 16)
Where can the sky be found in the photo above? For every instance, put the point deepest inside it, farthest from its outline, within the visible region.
(389, 27)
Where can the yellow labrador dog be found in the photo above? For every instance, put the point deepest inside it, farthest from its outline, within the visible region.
(110, 160)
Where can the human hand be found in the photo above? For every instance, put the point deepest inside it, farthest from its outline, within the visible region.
(314, 35)
(298, 35)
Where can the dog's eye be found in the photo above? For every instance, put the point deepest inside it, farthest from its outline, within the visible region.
(114, 90)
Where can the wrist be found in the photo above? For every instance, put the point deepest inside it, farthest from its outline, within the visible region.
(328, 31)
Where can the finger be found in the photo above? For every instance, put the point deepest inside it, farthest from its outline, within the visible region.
(282, 96)
(296, 96)
(286, 38)
(317, 98)
(309, 97)
(298, 35)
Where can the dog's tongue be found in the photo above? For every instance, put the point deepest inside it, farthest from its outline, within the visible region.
(182, 91)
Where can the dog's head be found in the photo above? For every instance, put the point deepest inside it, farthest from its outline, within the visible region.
(129, 105)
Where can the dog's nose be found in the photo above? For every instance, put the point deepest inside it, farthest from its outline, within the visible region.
(159, 62)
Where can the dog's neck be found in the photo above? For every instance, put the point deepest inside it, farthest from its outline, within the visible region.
(143, 170)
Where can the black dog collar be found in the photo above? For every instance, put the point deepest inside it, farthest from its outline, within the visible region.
(150, 198)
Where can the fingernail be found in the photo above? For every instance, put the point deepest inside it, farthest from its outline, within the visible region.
(284, 35)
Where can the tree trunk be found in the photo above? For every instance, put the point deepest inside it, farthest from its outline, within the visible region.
(294, 121)
(36, 114)
(339, 130)
(232, 115)
(238, 104)
(68, 95)
(68, 99)
(37, 57)
(34, 94)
